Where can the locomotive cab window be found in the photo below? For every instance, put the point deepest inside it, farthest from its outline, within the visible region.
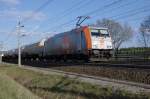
(99, 33)
(104, 33)
(95, 33)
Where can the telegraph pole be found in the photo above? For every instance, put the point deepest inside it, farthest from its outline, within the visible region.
(19, 26)
(1, 53)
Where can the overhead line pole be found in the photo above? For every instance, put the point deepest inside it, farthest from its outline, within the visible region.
(1, 53)
(19, 26)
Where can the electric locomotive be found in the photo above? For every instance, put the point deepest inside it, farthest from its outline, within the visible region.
(85, 42)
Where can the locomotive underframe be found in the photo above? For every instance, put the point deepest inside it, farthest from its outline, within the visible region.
(98, 54)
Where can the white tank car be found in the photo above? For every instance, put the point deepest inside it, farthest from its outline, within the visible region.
(33, 49)
(12, 53)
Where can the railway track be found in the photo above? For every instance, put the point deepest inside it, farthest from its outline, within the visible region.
(98, 64)
(120, 65)
(114, 64)
(138, 63)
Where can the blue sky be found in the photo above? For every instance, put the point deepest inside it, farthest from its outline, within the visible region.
(47, 21)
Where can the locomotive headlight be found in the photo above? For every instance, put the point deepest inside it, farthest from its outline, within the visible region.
(109, 46)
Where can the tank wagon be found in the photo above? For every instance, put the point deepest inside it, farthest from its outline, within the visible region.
(85, 43)
(11, 54)
(34, 50)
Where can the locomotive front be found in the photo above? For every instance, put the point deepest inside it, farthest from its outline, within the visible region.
(101, 43)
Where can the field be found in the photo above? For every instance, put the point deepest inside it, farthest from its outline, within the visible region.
(58, 87)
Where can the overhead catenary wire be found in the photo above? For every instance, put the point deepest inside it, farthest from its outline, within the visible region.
(68, 11)
(61, 25)
(134, 19)
(105, 6)
(120, 6)
(101, 8)
(78, 7)
(137, 10)
(9, 34)
(37, 10)
(78, 4)
(133, 14)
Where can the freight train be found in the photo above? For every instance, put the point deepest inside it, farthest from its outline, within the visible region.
(83, 43)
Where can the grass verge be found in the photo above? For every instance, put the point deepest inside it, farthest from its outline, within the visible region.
(9, 89)
(59, 87)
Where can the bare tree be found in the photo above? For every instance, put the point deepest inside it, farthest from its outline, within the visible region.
(145, 32)
(119, 33)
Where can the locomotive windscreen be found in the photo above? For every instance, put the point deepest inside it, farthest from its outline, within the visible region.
(95, 32)
(99, 32)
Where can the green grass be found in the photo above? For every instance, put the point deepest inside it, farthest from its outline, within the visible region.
(59, 87)
(9, 89)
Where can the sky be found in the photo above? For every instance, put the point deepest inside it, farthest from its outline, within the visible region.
(44, 18)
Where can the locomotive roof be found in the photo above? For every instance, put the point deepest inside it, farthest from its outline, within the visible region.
(96, 27)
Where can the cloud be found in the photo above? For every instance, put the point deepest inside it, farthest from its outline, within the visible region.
(10, 2)
(15, 14)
